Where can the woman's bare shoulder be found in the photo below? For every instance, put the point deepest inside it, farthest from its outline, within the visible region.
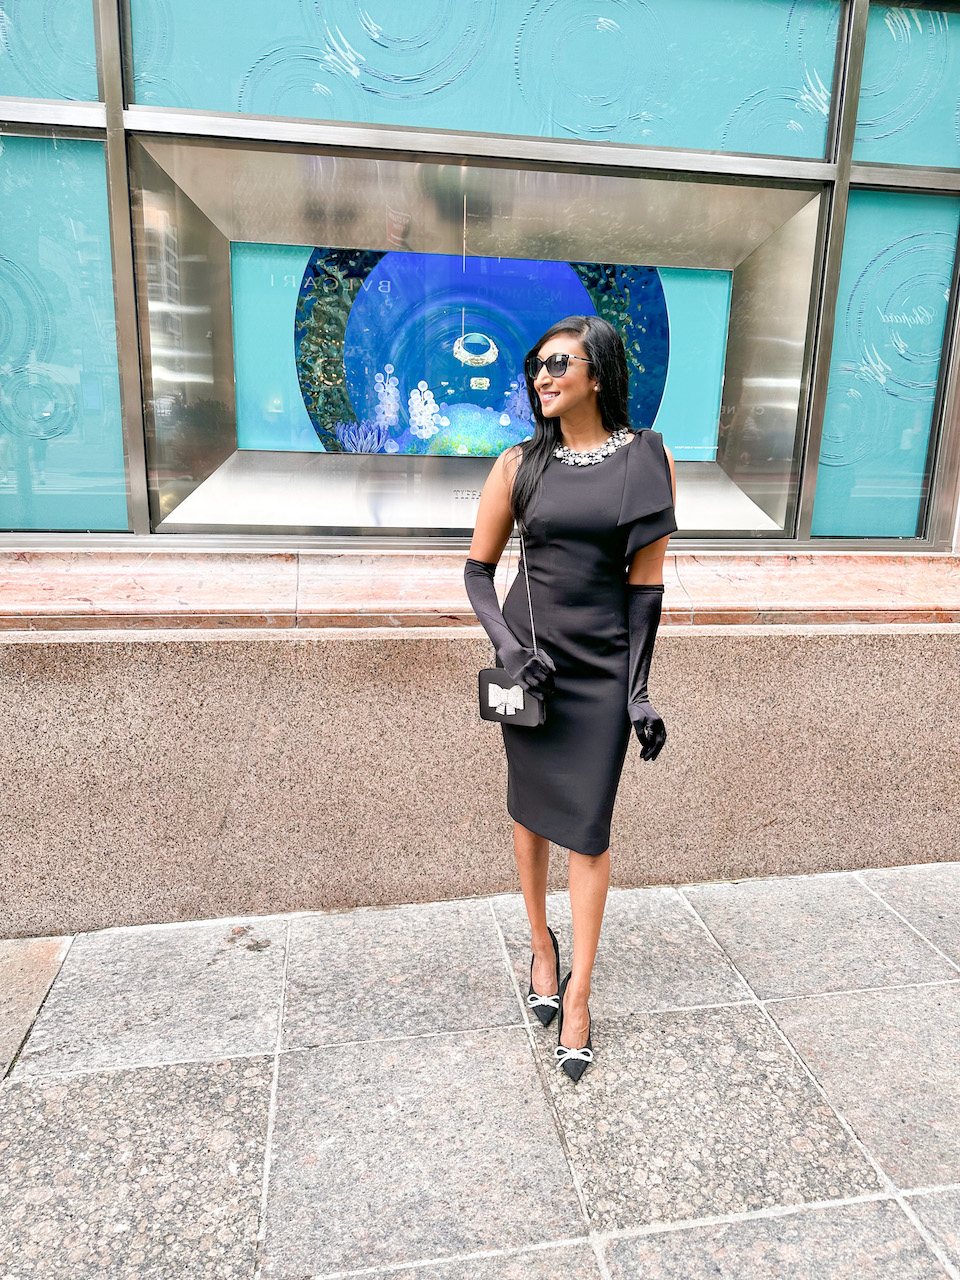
(508, 462)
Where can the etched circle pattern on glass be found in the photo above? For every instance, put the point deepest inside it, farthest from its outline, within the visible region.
(51, 50)
(299, 80)
(36, 404)
(855, 420)
(561, 47)
(907, 59)
(26, 325)
(895, 310)
(401, 51)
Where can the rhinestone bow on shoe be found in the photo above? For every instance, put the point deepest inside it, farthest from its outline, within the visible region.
(573, 1061)
(545, 1007)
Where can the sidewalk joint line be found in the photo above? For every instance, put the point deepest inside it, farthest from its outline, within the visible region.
(931, 1241)
(854, 991)
(540, 1068)
(145, 1065)
(271, 1116)
(885, 1180)
(859, 879)
(927, 1191)
(33, 1021)
(747, 1215)
(513, 1252)
(415, 1035)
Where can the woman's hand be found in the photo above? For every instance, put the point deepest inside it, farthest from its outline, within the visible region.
(532, 670)
(650, 730)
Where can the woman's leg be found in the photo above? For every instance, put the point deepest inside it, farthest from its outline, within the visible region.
(589, 880)
(533, 858)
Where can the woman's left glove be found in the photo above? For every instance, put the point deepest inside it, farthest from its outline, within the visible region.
(644, 604)
(532, 670)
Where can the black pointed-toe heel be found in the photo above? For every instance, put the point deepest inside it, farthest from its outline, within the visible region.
(545, 1007)
(573, 1061)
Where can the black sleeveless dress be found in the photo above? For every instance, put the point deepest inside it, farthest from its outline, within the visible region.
(584, 527)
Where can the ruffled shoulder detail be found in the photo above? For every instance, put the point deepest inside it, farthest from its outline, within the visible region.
(646, 484)
(646, 506)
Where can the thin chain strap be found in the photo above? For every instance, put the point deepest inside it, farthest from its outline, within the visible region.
(529, 601)
(525, 574)
(526, 577)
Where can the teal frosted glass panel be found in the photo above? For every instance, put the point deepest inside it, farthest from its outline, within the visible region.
(898, 255)
(729, 75)
(362, 351)
(909, 109)
(698, 316)
(47, 50)
(61, 453)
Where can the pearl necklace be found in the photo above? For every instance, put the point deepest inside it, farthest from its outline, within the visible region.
(614, 441)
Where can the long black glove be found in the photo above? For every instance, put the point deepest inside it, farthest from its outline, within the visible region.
(644, 603)
(531, 670)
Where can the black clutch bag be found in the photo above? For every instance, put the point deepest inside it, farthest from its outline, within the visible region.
(500, 698)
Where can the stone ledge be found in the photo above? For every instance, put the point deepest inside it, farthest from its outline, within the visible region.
(70, 590)
(165, 775)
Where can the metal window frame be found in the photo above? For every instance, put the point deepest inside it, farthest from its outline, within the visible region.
(114, 119)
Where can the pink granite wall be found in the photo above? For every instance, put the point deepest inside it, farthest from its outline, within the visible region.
(156, 776)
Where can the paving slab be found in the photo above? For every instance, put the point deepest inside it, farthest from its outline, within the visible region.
(154, 1174)
(397, 1151)
(869, 1241)
(888, 1061)
(27, 968)
(801, 935)
(695, 1113)
(372, 974)
(653, 954)
(939, 1211)
(927, 896)
(163, 993)
(549, 1262)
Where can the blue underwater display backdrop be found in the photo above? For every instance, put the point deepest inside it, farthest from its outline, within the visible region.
(898, 256)
(47, 50)
(364, 351)
(725, 75)
(61, 448)
(909, 109)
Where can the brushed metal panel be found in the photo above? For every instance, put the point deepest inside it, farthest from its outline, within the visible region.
(88, 115)
(298, 197)
(183, 293)
(334, 493)
(474, 146)
(765, 372)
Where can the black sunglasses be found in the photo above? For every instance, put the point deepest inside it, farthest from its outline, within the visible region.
(555, 365)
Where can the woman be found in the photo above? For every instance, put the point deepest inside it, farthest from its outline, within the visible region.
(595, 502)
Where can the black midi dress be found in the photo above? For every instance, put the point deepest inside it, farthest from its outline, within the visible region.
(584, 525)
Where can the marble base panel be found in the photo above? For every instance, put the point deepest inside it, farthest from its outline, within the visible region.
(177, 775)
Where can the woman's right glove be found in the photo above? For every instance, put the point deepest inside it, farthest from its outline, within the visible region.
(531, 669)
(644, 603)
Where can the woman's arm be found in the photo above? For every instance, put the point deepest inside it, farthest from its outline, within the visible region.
(644, 599)
(494, 518)
(647, 563)
(532, 670)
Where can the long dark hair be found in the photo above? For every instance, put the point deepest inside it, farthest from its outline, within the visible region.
(608, 364)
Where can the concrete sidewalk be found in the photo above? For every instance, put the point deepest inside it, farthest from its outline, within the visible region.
(776, 1092)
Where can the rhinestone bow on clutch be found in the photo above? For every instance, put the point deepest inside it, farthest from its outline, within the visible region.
(505, 701)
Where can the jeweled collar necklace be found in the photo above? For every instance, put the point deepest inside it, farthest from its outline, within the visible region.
(614, 441)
